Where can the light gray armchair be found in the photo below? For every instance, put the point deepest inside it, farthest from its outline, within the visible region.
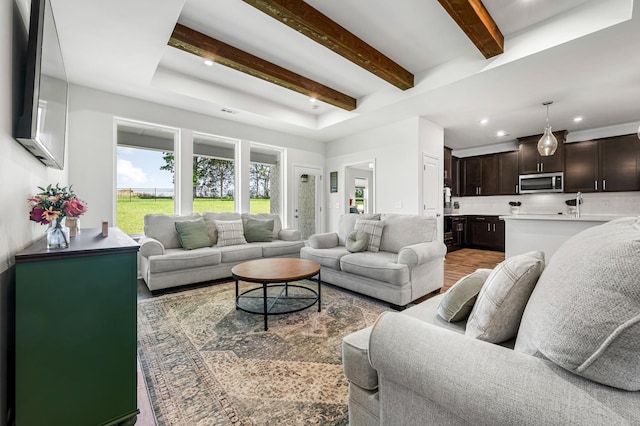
(576, 359)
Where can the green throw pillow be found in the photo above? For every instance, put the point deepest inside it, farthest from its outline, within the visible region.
(193, 234)
(357, 241)
(459, 300)
(259, 230)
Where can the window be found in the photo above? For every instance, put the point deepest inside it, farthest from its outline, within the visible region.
(213, 174)
(264, 180)
(145, 175)
(360, 196)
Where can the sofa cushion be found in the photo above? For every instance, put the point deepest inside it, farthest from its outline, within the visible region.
(498, 310)
(329, 257)
(584, 314)
(211, 217)
(280, 248)
(347, 224)
(357, 241)
(240, 252)
(427, 311)
(193, 234)
(374, 229)
(258, 230)
(230, 232)
(379, 266)
(402, 230)
(277, 223)
(162, 228)
(178, 259)
(458, 301)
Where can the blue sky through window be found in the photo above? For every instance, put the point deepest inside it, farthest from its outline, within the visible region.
(140, 168)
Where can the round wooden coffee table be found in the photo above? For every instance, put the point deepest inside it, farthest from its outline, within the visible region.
(276, 296)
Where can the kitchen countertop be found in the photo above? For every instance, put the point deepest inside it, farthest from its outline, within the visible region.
(563, 217)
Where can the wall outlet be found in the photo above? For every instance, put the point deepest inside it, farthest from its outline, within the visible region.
(337, 205)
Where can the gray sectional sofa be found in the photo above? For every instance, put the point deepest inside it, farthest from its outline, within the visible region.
(164, 263)
(408, 265)
(576, 359)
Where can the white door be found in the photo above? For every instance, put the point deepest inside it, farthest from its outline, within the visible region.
(307, 207)
(432, 189)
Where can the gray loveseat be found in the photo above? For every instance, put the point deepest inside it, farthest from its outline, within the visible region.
(164, 263)
(408, 265)
(576, 359)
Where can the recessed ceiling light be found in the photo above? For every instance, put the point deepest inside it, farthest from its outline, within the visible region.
(312, 100)
(577, 119)
(484, 121)
(501, 133)
(208, 62)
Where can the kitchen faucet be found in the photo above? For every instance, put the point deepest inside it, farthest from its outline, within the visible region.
(578, 201)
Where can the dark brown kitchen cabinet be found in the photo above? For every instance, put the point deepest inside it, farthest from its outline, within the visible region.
(455, 176)
(530, 161)
(448, 166)
(486, 232)
(603, 165)
(480, 175)
(508, 173)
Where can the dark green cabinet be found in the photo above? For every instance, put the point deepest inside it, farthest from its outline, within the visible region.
(75, 331)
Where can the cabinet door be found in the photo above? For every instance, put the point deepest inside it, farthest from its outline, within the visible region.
(498, 229)
(528, 158)
(581, 167)
(455, 176)
(447, 166)
(481, 234)
(490, 175)
(619, 168)
(472, 176)
(508, 173)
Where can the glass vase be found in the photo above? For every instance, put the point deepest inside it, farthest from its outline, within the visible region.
(57, 234)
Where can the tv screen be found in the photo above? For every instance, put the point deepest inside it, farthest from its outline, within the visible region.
(42, 123)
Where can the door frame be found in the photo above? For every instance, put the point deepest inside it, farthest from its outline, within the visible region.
(316, 171)
(372, 184)
(440, 185)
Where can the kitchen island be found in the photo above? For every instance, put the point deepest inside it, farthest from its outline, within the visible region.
(546, 232)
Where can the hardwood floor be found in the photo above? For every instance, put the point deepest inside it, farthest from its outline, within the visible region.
(457, 264)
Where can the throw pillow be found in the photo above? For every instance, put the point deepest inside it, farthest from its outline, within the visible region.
(357, 241)
(460, 298)
(584, 315)
(193, 234)
(230, 232)
(498, 311)
(258, 230)
(374, 229)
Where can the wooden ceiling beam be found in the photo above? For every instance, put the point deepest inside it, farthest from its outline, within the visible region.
(206, 47)
(308, 21)
(476, 22)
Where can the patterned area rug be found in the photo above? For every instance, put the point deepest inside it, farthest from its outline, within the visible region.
(206, 363)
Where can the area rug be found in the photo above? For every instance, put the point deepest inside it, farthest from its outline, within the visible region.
(206, 363)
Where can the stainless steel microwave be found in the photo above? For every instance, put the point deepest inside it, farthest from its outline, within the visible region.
(541, 182)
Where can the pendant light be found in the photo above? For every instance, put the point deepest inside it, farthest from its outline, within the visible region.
(548, 143)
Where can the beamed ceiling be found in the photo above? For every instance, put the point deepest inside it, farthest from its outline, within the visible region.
(366, 63)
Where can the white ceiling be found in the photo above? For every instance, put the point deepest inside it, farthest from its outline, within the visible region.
(582, 54)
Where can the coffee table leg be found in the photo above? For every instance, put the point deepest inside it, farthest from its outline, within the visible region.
(264, 296)
(319, 292)
(237, 292)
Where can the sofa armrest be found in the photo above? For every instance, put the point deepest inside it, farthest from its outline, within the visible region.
(429, 374)
(288, 234)
(420, 253)
(150, 247)
(323, 241)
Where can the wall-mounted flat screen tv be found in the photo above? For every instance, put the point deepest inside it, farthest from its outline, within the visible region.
(42, 118)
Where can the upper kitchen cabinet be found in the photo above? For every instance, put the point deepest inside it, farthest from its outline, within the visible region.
(448, 166)
(451, 172)
(507, 173)
(609, 164)
(480, 175)
(531, 162)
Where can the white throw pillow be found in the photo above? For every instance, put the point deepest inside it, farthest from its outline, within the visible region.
(458, 301)
(498, 310)
(230, 232)
(374, 229)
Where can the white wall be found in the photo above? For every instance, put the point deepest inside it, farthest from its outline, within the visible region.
(93, 144)
(397, 151)
(20, 175)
